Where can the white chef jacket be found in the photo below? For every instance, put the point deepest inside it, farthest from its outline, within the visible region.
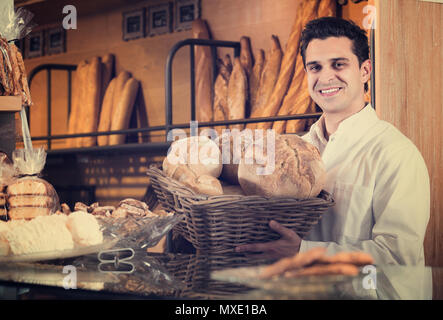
(380, 185)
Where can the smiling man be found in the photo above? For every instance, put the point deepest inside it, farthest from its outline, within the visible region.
(376, 175)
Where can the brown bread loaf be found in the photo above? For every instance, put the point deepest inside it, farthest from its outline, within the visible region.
(221, 92)
(297, 169)
(106, 113)
(237, 94)
(203, 73)
(91, 103)
(254, 79)
(288, 64)
(327, 8)
(121, 80)
(268, 79)
(77, 98)
(246, 58)
(297, 101)
(298, 87)
(108, 61)
(122, 111)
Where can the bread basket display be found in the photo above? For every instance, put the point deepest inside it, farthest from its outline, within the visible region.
(219, 223)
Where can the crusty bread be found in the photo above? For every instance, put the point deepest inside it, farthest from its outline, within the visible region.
(91, 103)
(288, 63)
(108, 62)
(297, 98)
(203, 73)
(301, 105)
(208, 185)
(106, 113)
(77, 98)
(237, 94)
(221, 97)
(254, 79)
(199, 153)
(28, 212)
(298, 170)
(268, 79)
(220, 107)
(122, 111)
(327, 8)
(246, 58)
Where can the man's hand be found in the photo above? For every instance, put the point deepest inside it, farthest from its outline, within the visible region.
(287, 245)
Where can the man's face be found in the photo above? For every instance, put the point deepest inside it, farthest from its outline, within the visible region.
(335, 79)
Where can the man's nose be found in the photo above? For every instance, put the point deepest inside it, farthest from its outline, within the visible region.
(326, 75)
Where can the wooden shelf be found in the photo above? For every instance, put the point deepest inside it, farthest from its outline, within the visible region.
(10, 103)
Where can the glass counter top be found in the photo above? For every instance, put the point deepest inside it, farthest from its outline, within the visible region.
(196, 276)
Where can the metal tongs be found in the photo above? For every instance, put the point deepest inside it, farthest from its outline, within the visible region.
(115, 260)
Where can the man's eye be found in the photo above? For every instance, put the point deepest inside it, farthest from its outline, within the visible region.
(339, 65)
(314, 68)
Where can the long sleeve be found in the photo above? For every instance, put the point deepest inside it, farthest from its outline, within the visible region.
(400, 209)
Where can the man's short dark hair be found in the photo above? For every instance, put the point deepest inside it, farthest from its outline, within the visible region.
(326, 27)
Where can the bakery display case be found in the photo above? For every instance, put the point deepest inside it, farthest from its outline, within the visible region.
(166, 92)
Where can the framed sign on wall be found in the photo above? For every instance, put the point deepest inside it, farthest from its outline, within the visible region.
(159, 19)
(34, 45)
(186, 11)
(133, 24)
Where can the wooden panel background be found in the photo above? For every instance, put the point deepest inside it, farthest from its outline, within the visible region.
(409, 89)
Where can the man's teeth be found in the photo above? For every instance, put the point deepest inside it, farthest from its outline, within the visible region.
(330, 90)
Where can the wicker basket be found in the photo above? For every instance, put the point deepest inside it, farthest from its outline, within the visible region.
(217, 224)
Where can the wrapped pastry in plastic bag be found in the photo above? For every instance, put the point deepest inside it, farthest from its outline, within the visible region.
(30, 196)
(14, 25)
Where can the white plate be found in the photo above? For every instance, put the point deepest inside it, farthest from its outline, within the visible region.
(63, 254)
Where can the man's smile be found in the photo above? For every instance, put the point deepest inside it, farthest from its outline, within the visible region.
(329, 92)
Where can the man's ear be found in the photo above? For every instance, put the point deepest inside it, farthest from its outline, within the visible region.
(365, 71)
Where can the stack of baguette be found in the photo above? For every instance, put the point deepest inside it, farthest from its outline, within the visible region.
(269, 84)
(100, 102)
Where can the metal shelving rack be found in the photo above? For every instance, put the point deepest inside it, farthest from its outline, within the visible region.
(152, 147)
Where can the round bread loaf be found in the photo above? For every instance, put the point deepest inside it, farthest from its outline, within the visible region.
(198, 153)
(298, 170)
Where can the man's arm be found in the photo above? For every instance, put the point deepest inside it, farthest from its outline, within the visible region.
(401, 205)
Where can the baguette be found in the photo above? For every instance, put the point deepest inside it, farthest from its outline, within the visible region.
(254, 79)
(203, 73)
(287, 65)
(268, 78)
(220, 102)
(122, 111)
(327, 8)
(246, 59)
(237, 94)
(119, 85)
(221, 92)
(107, 74)
(77, 98)
(106, 113)
(91, 104)
(297, 91)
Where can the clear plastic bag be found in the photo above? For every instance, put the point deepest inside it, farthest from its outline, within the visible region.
(14, 25)
(28, 195)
